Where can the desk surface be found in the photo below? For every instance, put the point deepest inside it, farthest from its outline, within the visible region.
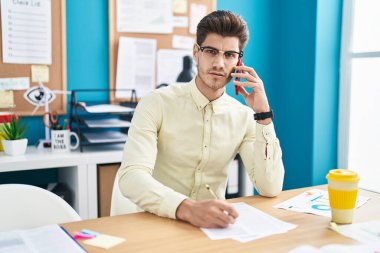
(45, 158)
(148, 233)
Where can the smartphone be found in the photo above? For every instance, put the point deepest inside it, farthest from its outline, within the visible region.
(239, 63)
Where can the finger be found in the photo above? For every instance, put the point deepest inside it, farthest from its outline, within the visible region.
(224, 217)
(224, 206)
(221, 222)
(247, 69)
(248, 84)
(247, 76)
(242, 91)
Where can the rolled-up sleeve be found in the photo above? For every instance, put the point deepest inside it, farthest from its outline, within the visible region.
(135, 174)
(262, 157)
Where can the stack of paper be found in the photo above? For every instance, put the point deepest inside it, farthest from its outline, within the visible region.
(365, 232)
(107, 123)
(46, 239)
(338, 248)
(105, 137)
(314, 201)
(251, 224)
(107, 108)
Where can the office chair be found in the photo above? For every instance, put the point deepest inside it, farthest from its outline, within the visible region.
(119, 203)
(26, 206)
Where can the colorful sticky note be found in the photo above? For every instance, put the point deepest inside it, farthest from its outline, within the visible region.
(78, 235)
(180, 6)
(6, 99)
(104, 241)
(40, 72)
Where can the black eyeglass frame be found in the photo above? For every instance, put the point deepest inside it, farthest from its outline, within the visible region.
(213, 48)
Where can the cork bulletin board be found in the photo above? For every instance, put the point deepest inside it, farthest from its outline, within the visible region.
(164, 41)
(57, 68)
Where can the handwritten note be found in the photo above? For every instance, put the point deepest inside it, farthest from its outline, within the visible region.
(26, 28)
(40, 73)
(16, 83)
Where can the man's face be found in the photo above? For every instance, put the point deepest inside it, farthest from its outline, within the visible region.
(214, 69)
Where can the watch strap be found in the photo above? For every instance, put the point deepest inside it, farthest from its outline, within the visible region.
(263, 115)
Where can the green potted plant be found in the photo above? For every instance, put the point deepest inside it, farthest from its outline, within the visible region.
(13, 132)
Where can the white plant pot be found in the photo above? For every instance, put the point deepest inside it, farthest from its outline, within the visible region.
(15, 147)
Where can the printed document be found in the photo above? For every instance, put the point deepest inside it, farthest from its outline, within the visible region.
(251, 224)
(314, 201)
(136, 63)
(26, 28)
(144, 16)
(46, 239)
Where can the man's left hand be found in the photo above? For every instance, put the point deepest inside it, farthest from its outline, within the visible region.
(257, 99)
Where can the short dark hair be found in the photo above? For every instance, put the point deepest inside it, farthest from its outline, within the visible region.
(224, 23)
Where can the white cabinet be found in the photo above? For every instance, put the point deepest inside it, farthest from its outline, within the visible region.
(77, 170)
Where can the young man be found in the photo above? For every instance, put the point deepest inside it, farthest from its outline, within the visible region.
(184, 136)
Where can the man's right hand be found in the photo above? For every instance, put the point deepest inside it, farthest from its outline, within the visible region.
(207, 213)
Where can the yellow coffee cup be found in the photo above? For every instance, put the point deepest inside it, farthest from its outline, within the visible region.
(343, 191)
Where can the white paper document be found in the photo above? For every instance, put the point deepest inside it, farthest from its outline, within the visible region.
(106, 123)
(197, 12)
(44, 239)
(170, 64)
(183, 42)
(339, 248)
(105, 137)
(136, 63)
(26, 31)
(180, 6)
(144, 16)
(16, 83)
(251, 224)
(180, 21)
(107, 108)
(314, 201)
(364, 232)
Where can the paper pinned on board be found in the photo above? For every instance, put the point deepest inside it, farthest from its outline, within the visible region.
(136, 63)
(40, 73)
(180, 6)
(180, 21)
(197, 12)
(6, 99)
(15, 83)
(183, 42)
(26, 31)
(144, 16)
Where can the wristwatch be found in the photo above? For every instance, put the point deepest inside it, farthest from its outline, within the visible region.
(263, 115)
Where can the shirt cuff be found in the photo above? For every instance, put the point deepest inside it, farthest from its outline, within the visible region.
(170, 203)
(265, 133)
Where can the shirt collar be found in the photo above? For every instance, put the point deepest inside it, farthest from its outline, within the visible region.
(201, 101)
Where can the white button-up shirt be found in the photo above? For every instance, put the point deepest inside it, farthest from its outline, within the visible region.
(179, 141)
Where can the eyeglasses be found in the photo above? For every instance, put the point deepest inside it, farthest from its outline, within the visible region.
(229, 56)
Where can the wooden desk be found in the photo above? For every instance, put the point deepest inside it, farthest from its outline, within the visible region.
(148, 233)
